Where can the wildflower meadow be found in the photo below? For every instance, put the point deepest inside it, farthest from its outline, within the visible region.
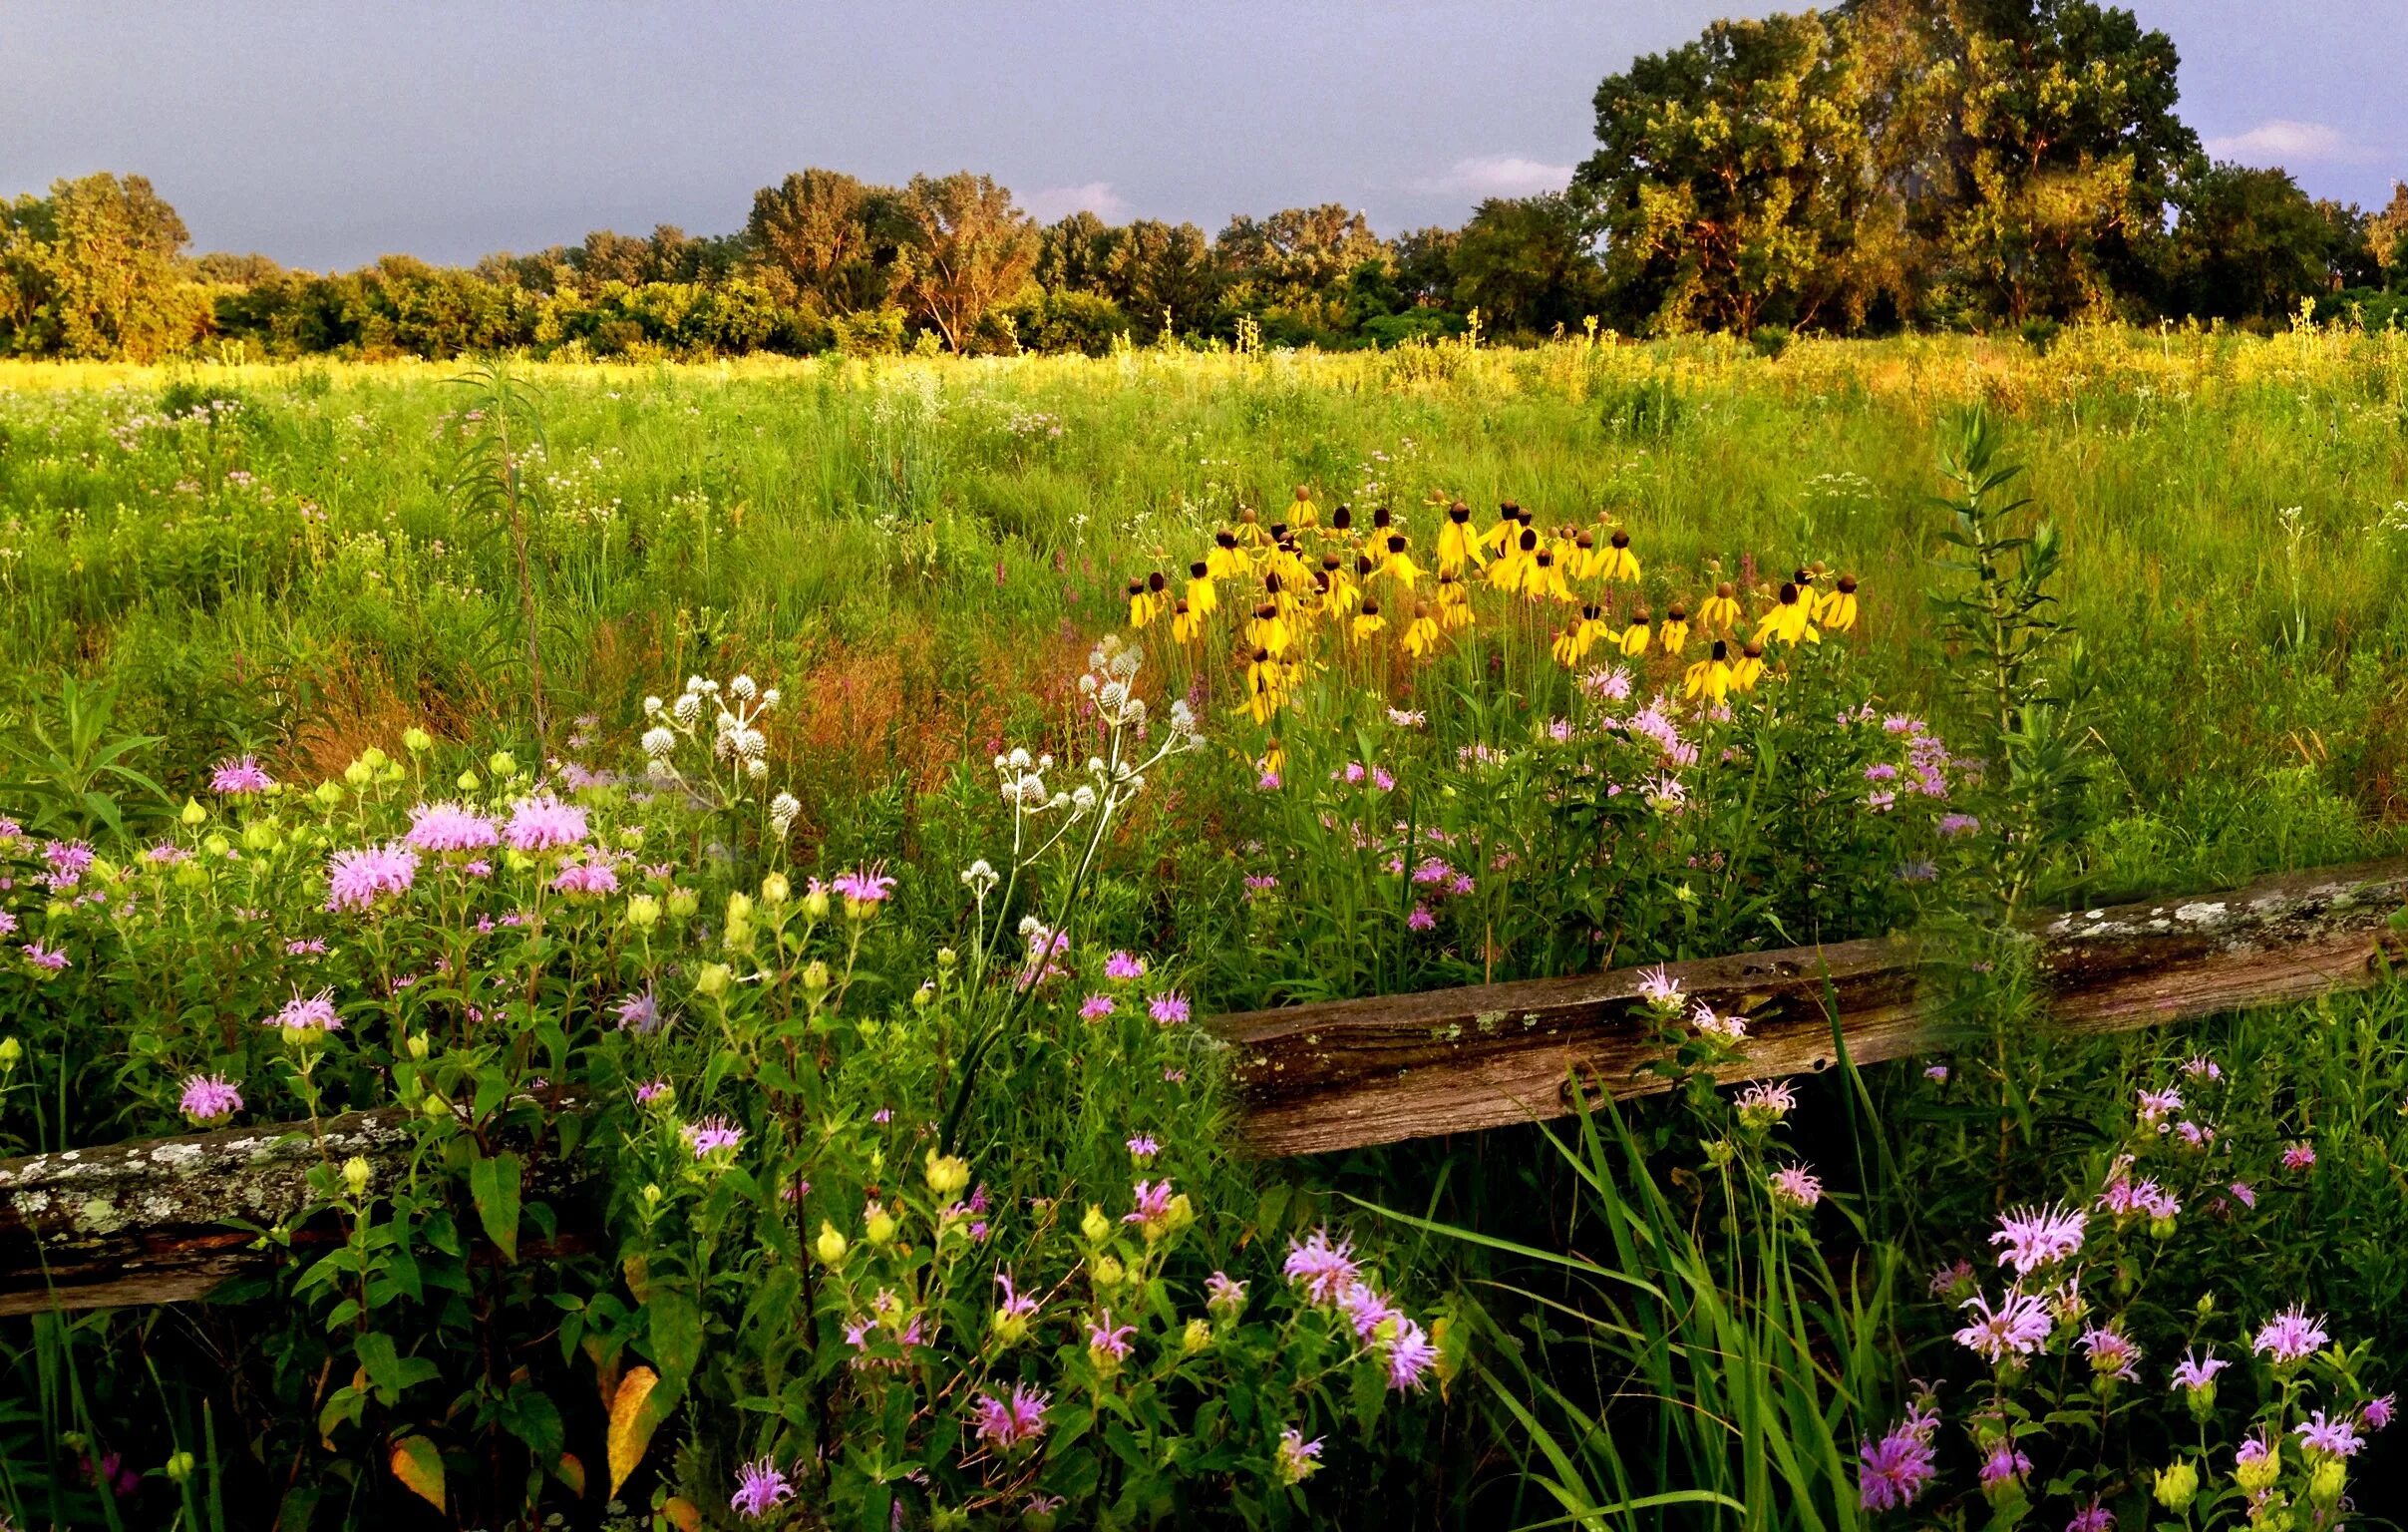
(769, 845)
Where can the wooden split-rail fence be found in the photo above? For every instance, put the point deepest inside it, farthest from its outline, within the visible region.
(162, 1220)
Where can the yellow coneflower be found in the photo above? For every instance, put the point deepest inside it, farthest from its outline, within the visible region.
(1512, 572)
(1584, 561)
(1270, 631)
(1398, 565)
(1619, 562)
(1750, 669)
(1454, 603)
(1710, 677)
(1791, 619)
(1674, 635)
(1720, 613)
(1224, 562)
(1302, 511)
(1592, 628)
(1543, 579)
(1142, 604)
(1509, 525)
(1368, 621)
(1342, 519)
(1458, 545)
(1567, 647)
(1274, 758)
(1339, 592)
(1633, 641)
(1186, 621)
(1837, 610)
(1203, 599)
(1420, 634)
(1250, 529)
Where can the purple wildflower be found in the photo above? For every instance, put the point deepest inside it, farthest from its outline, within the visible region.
(355, 880)
(2031, 1238)
(240, 776)
(2093, 1517)
(1007, 1422)
(1324, 1271)
(209, 1100)
(2197, 1371)
(1143, 1148)
(639, 1012)
(1894, 1471)
(49, 960)
(1792, 1184)
(710, 1136)
(2291, 1336)
(1124, 967)
(2110, 1353)
(759, 1486)
(2017, 1327)
(650, 1091)
(1108, 1340)
(2003, 1463)
(308, 1013)
(863, 888)
(587, 879)
(1366, 1310)
(544, 822)
(1410, 1357)
(1422, 919)
(1096, 1007)
(1296, 1459)
(2379, 1413)
(2300, 1156)
(441, 828)
(1167, 1009)
(2338, 1437)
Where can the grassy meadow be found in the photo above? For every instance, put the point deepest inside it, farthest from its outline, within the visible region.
(914, 543)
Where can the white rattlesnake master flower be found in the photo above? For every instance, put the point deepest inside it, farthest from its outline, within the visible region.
(688, 709)
(1087, 685)
(771, 696)
(1113, 693)
(743, 689)
(651, 707)
(781, 811)
(659, 741)
(756, 768)
(979, 878)
(1030, 925)
(660, 770)
(1083, 800)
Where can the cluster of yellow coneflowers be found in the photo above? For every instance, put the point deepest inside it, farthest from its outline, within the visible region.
(1295, 583)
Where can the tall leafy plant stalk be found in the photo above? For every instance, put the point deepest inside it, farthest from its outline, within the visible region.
(501, 431)
(2005, 631)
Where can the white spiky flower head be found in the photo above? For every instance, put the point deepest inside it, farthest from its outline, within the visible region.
(743, 689)
(659, 741)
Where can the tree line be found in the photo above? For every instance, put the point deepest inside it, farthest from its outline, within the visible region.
(1967, 164)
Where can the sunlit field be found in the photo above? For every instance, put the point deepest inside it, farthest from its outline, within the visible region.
(824, 803)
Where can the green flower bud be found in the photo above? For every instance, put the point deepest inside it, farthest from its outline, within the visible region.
(180, 1467)
(357, 1173)
(358, 774)
(774, 890)
(713, 979)
(1196, 1337)
(2175, 1484)
(11, 1051)
(418, 1047)
(814, 905)
(329, 793)
(417, 740)
(1095, 1225)
(878, 1224)
(831, 1245)
(643, 912)
(1108, 1271)
(373, 759)
(193, 814)
(683, 902)
(947, 1174)
(501, 763)
(2326, 1480)
(467, 782)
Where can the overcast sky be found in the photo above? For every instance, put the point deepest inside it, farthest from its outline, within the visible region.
(326, 135)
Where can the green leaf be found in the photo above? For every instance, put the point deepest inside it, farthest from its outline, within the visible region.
(675, 1327)
(493, 1184)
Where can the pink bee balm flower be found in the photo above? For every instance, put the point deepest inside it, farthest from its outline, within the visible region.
(438, 829)
(1724, 1028)
(2093, 1517)
(1123, 967)
(209, 1100)
(760, 1486)
(1226, 1297)
(542, 822)
(1107, 1339)
(1168, 1009)
(1297, 1459)
(1004, 1424)
(1096, 1007)
(651, 1091)
(639, 1012)
(710, 1136)
(1017, 1304)
(1894, 1471)
(2379, 1413)
(589, 880)
(2245, 1194)
(2300, 1156)
(1661, 989)
(2003, 1463)
(2338, 1437)
(1143, 1148)
(2110, 1353)
(2031, 1238)
(355, 880)
(310, 1013)
(1410, 1357)
(2201, 1068)
(1324, 1271)
(1366, 1310)
(2017, 1327)
(2157, 1105)
(8, 924)
(863, 888)
(1947, 1278)
(1936, 1073)
(240, 776)
(2291, 1336)
(1422, 919)
(1153, 1203)
(2197, 1371)
(49, 960)
(1792, 1184)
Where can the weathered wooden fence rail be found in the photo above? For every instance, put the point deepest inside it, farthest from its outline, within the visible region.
(151, 1221)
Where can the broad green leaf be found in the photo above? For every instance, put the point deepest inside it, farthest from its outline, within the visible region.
(494, 1185)
(419, 1467)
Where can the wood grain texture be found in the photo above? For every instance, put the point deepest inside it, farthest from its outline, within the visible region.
(1349, 1073)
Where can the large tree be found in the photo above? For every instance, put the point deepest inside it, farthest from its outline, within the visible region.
(1728, 175)
(95, 268)
(1157, 269)
(826, 240)
(2250, 244)
(1530, 264)
(969, 248)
